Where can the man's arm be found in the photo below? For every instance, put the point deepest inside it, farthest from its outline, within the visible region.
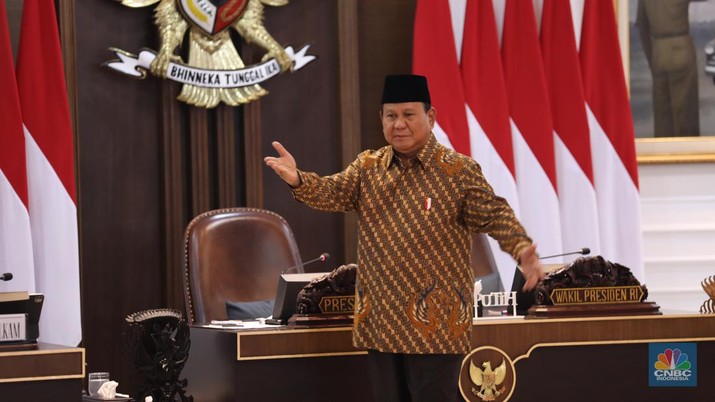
(336, 193)
(486, 212)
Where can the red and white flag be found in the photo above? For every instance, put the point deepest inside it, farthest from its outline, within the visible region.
(612, 137)
(435, 56)
(488, 113)
(574, 168)
(15, 236)
(50, 171)
(532, 128)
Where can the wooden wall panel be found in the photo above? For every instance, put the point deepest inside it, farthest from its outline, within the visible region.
(349, 106)
(174, 197)
(120, 181)
(200, 160)
(302, 111)
(226, 156)
(252, 168)
(385, 36)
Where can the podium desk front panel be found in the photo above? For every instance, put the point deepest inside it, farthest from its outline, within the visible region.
(600, 358)
(518, 336)
(275, 365)
(41, 373)
(585, 359)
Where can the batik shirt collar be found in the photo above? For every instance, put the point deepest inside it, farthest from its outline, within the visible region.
(424, 156)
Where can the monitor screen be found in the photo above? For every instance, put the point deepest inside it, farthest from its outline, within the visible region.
(526, 299)
(289, 285)
(32, 307)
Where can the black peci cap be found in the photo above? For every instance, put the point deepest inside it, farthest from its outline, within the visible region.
(405, 88)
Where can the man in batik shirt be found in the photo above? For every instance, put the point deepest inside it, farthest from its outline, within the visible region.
(418, 204)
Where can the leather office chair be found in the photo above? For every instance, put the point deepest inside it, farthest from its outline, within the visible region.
(234, 254)
(483, 265)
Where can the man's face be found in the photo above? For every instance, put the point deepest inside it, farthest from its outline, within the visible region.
(407, 126)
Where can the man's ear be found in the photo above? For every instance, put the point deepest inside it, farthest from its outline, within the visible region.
(432, 116)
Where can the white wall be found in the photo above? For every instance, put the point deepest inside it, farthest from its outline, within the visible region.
(678, 210)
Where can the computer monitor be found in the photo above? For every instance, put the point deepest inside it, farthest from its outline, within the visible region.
(526, 299)
(289, 285)
(32, 307)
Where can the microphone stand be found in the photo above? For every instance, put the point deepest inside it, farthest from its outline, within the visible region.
(323, 257)
(583, 251)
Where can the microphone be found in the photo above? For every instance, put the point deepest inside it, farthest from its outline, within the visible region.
(583, 251)
(323, 257)
(6, 276)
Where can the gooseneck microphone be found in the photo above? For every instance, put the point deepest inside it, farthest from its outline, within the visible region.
(6, 276)
(322, 258)
(583, 251)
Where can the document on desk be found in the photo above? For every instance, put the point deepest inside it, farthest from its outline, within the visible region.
(239, 324)
(500, 317)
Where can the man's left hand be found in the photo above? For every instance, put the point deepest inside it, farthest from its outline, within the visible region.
(531, 267)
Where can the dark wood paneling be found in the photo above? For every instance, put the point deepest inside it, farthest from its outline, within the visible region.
(214, 374)
(43, 362)
(385, 29)
(349, 106)
(517, 337)
(120, 179)
(174, 200)
(226, 156)
(67, 33)
(201, 171)
(302, 111)
(252, 171)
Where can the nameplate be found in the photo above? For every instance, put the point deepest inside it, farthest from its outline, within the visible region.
(13, 327)
(337, 304)
(495, 304)
(601, 295)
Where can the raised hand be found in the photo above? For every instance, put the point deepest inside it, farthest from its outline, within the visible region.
(284, 165)
(531, 267)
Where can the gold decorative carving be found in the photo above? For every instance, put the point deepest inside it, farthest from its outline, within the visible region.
(214, 72)
(708, 306)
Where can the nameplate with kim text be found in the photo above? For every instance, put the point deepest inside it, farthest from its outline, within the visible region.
(611, 294)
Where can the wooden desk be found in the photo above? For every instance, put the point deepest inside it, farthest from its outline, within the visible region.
(598, 358)
(41, 373)
(270, 365)
(585, 359)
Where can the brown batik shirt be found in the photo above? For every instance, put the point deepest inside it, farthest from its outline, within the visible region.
(415, 220)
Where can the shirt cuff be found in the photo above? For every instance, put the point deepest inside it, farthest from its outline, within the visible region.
(300, 189)
(518, 249)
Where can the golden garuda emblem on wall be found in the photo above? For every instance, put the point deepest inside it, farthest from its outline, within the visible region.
(214, 71)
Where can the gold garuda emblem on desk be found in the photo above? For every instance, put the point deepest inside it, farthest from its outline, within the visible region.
(214, 72)
(487, 375)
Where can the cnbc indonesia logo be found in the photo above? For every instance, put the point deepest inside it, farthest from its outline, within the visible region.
(673, 365)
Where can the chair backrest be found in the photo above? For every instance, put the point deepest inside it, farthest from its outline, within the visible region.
(234, 254)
